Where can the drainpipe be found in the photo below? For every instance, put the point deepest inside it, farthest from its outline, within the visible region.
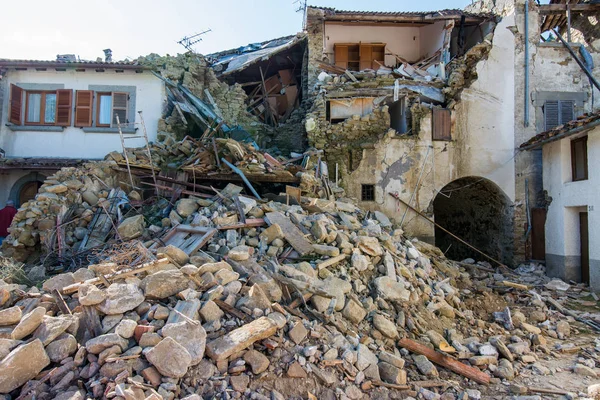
(526, 108)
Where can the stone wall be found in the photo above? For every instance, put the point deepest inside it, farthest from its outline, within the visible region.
(315, 28)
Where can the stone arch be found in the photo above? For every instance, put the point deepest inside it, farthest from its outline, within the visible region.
(479, 212)
(22, 184)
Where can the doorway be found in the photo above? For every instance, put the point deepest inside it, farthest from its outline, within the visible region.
(28, 191)
(585, 247)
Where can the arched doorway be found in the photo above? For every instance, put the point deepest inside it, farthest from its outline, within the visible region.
(26, 187)
(476, 210)
(28, 191)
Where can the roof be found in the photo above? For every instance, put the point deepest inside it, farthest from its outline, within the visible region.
(232, 60)
(40, 163)
(581, 124)
(9, 63)
(333, 14)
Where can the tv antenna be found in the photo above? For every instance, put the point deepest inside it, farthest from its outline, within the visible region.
(189, 41)
(302, 7)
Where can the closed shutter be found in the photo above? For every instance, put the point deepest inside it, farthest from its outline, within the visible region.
(83, 108)
(119, 107)
(566, 112)
(64, 102)
(16, 104)
(441, 124)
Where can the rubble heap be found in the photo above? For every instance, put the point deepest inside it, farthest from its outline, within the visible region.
(320, 297)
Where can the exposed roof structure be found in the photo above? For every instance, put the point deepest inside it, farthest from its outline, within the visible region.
(554, 14)
(230, 61)
(8, 63)
(331, 14)
(579, 125)
(39, 163)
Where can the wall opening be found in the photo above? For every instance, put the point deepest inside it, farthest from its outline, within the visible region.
(476, 210)
(397, 112)
(25, 188)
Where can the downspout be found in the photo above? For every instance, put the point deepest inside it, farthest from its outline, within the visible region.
(526, 108)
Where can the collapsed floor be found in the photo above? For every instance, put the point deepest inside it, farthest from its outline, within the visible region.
(227, 296)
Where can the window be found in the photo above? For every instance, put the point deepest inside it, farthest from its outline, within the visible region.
(42, 107)
(558, 112)
(367, 193)
(579, 162)
(441, 124)
(341, 109)
(108, 106)
(359, 56)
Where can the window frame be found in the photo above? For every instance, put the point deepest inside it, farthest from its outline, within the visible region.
(366, 188)
(574, 178)
(97, 96)
(43, 94)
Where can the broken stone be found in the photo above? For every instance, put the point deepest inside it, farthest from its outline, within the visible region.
(120, 298)
(239, 383)
(295, 370)
(51, 328)
(21, 365)
(385, 326)
(389, 289)
(175, 254)
(90, 295)
(257, 361)
(186, 207)
(10, 316)
(131, 227)
(126, 328)
(61, 348)
(298, 333)
(354, 311)
(164, 284)
(100, 343)
(255, 298)
(505, 370)
(170, 358)
(325, 250)
(365, 357)
(584, 370)
(393, 359)
(392, 374)
(190, 336)
(425, 366)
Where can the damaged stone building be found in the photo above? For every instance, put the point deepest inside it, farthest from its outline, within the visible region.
(424, 112)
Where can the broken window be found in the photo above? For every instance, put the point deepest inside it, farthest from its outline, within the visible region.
(398, 117)
(441, 124)
(42, 107)
(558, 112)
(359, 56)
(367, 193)
(579, 162)
(339, 110)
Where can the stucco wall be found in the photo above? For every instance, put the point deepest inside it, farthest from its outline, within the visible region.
(568, 199)
(10, 185)
(74, 142)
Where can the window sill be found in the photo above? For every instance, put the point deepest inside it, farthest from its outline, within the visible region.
(94, 129)
(35, 128)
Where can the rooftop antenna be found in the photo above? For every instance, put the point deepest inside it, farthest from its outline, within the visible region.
(189, 41)
(302, 7)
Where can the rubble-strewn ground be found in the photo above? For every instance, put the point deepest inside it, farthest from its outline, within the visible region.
(281, 300)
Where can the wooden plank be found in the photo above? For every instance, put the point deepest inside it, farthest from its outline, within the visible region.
(60, 302)
(331, 261)
(231, 310)
(250, 223)
(445, 361)
(547, 9)
(292, 234)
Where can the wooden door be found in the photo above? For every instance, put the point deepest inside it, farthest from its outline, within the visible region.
(538, 233)
(28, 191)
(341, 56)
(585, 247)
(366, 56)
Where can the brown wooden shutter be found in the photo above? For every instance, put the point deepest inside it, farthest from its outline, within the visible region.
(119, 107)
(64, 103)
(341, 55)
(16, 104)
(83, 108)
(441, 124)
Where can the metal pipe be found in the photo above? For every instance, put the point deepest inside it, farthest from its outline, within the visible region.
(417, 186)
(526, 106)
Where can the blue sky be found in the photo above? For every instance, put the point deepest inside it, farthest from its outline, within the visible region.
(41, 29)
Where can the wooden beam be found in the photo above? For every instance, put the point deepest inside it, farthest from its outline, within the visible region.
(549, 9)
(445, 361)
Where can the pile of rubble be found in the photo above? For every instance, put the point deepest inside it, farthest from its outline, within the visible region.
(283, 301)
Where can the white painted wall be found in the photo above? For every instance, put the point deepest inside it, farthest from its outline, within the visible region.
(410, 43)
(73, 142)
(569, 198)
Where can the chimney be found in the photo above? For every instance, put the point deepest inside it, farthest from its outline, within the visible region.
(107, 55)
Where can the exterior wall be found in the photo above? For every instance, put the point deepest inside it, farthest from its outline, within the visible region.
(568, 199)
(74, 142)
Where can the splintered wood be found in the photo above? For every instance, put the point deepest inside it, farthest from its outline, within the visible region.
(188, 238)
(291, 233)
